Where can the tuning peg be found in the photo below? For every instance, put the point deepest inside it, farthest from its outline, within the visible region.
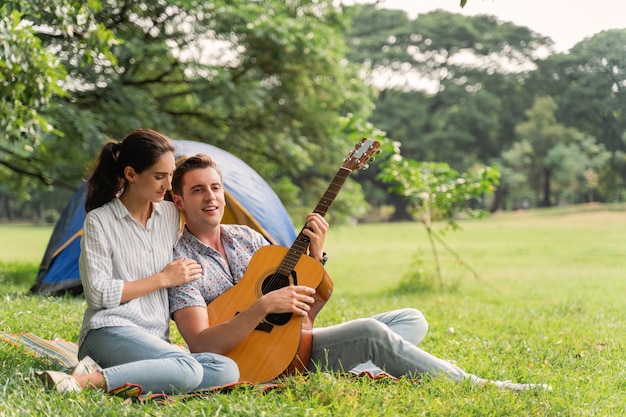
(372, 159)
(365, 166)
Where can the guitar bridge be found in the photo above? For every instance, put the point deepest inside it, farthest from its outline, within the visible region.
(264, 327)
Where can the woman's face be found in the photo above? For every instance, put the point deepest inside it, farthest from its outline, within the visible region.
(154, 182)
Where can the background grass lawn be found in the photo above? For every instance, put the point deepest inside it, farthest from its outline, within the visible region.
(544, 304)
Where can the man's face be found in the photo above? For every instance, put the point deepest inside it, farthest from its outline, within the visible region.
(202, 199)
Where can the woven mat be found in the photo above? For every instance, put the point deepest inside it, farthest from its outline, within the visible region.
(58, 352)
(64, 354)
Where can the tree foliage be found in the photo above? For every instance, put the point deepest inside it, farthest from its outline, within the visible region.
(449, 87)
(435, 191)
(552, 161)
(588, 84)
(288, 87)
(266, 81)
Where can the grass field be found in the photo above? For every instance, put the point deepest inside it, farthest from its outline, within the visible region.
(24, 242)
(533, 296)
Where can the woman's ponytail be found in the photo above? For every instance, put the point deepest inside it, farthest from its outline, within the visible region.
(106, 179)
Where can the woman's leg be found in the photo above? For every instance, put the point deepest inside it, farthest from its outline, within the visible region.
(130, 355)
(218, 370)
(343, 346)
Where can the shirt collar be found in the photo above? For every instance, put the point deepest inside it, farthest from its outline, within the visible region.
(120, 210)
(226, 235)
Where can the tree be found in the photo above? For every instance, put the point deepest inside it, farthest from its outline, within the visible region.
(448, 87)
(29, 77)
(588, 85)
(515, 166)
(266, 81)
(578, 164)
(555, 161)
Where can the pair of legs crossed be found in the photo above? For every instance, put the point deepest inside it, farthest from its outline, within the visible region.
(129, 355)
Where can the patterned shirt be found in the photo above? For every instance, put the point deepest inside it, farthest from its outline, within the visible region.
(116, 248)
(218, 274)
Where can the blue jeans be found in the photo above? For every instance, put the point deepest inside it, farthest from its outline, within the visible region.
(386, 341)
(130, 355)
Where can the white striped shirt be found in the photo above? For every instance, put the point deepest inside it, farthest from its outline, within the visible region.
(115, 248)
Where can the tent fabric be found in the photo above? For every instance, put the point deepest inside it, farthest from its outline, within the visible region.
(249, 200)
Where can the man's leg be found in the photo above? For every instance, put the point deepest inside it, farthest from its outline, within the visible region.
(344, 346)
(408, 323)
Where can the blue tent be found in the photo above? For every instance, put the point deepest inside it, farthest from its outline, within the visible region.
(249, 200)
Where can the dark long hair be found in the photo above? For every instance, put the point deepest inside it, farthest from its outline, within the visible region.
(140, 149)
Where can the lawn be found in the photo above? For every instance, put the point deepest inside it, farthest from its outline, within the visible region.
(532, 296)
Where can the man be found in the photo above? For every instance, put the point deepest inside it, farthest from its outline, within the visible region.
(388, 340)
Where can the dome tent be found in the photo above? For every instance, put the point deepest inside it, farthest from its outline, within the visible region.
(249, 200)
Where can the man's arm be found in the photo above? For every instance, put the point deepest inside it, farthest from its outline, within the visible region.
(193, 322)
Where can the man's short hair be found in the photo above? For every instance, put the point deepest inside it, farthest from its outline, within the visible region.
(185, 164)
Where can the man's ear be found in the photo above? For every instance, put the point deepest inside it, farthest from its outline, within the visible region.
(178, 201)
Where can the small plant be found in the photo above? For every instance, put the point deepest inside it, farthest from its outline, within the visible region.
(435, 191)
(417, 279)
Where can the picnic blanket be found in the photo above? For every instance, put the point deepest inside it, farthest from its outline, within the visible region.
(57, 352)
(64, 354)
(60, 353)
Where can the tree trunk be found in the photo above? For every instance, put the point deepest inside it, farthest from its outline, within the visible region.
(546, 188)
(6, 202)
(401, 211)
(499, 200)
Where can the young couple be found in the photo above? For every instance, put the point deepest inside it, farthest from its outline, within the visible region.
(127, 268)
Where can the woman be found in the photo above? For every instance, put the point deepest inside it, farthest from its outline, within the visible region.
(125, 268)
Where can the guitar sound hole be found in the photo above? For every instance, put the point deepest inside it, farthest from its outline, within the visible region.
(272, 283)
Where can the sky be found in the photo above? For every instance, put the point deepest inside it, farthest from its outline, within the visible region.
(566, 22)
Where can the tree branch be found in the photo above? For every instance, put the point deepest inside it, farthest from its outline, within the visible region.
(37, 175)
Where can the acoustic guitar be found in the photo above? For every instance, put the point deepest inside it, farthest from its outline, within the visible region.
(281, 343)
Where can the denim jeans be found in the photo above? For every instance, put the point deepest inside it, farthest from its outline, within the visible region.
(386, 341)
(130, 355)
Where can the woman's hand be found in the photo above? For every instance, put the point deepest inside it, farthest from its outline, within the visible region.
(181, 271)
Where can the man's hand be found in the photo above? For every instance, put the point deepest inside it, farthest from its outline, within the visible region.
(291, 299)
(315, 229)
(193, 322)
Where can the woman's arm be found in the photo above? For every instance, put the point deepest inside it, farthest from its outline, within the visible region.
(177, 272)
(97, 268)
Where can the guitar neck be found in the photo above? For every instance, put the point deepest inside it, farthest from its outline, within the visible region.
(298, 248)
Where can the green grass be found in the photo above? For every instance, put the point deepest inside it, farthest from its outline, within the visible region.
(546, 305)
(23, 242)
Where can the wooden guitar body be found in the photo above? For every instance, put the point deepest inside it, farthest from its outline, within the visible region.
(281, 342)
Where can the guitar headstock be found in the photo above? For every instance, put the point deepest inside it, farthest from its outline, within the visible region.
(362, 154)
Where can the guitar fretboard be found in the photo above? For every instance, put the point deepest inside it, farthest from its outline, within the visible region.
(299, 246)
